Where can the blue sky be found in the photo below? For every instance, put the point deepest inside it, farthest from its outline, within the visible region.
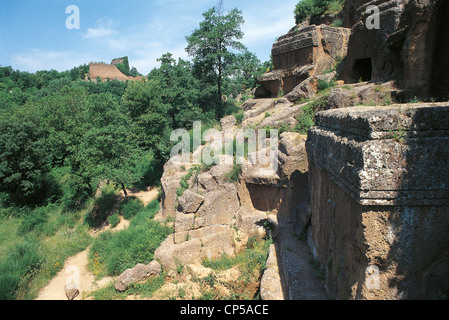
(33, 33)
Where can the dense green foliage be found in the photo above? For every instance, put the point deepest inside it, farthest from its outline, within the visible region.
(123, 66)
(306, 9)
(62, 135)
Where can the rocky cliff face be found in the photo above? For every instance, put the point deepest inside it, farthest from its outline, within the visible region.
(379, 197)
(410, 46)
(108, 72)
(366, 190)
(378, 180)
(216, 217)
(305, 51)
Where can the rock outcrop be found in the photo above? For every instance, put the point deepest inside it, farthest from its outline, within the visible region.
(379, 199)
(305, 51)
(366, 191)
(204, 216)
(137, 274)
(410, 46)
(216, 216)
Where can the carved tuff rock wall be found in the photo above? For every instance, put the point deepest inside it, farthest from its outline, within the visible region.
(301, 53)
(379, 197)
(411, 45)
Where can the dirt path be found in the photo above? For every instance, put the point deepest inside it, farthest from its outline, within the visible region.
(77, 265)
(145, 196)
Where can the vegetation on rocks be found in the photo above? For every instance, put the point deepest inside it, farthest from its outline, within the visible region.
(306, 9)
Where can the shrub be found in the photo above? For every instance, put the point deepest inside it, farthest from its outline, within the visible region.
(306, 9)
(102, 208)
(36, 220)
(239, 117)
(130, 208)
(114, 220)
(148, 171)
(324, 84)
(184, 183)
(305, 119)
(234, 174)
(17, 269)
(124, 66)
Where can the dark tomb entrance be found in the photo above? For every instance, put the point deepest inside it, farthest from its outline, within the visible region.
(363, 70)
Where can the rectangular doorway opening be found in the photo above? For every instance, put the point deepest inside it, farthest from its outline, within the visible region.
(363, 70)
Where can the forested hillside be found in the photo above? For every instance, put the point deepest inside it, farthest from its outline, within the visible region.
(62, 135)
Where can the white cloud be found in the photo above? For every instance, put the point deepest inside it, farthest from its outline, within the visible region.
(37, 59)
(97, 33)
(103, 27)
(268, 22)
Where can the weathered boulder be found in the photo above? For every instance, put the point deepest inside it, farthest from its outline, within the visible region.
(228, 122)
(191, 247)
(174, 171)
(366, 93)
(255, 107)
(309, 87)
(190, 202)
(71, 292)
(137, 274)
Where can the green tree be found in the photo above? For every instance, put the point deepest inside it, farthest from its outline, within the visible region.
(212, 43)
(243, 72)
(106, 150)
(150, 118)
(64, 118)
(24, 157)
(180, 91)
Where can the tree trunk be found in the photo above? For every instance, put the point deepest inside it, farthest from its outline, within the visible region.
(124, 190)
(220, 100)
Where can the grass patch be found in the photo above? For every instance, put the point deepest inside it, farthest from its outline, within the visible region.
(184, 183)
(114, 252)
(234, 174)
(130, 208)
(34, 247)
(251, 260)
(251, 264)
(114, 220)
(19, 268)
(144, 290)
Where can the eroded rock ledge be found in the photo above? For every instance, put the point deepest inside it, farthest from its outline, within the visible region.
(379, 200)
